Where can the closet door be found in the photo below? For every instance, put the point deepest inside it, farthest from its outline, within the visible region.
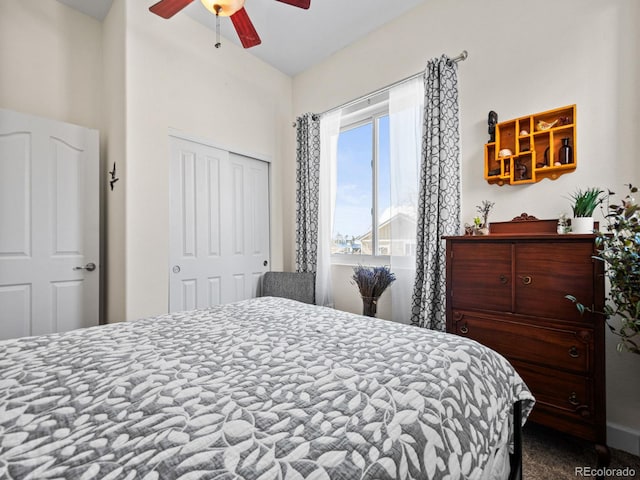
(219, 239)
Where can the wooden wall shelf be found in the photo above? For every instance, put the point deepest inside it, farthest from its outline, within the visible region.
(534, 142)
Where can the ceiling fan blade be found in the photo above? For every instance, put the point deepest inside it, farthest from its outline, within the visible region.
(168, 8)
(245, 29)
(298, 3)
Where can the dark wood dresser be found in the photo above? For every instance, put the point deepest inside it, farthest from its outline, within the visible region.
(508, 293)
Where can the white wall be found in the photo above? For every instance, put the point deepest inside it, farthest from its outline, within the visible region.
(51, 61)
(524, 57)
(176, 79)
(114, 151)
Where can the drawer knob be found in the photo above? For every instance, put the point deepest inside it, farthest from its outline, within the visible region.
(503, 279)
(573, 352)
(464, 330)
(526, 279)
(573, 399)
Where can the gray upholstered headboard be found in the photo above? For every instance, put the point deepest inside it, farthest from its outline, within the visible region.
(292, 285)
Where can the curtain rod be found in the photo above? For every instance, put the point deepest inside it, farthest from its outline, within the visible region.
(463, 56)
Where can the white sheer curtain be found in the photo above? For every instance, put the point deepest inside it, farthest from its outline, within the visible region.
(329, 132)
(406, 104)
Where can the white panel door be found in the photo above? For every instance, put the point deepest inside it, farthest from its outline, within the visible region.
(49, 226)
(219, 239)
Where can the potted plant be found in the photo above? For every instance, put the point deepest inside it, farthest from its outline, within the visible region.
(371, 282)
(619, 249)
(584, 204)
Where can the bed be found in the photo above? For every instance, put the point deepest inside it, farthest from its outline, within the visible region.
(261, 389)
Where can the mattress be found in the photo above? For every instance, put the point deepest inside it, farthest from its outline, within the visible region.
(261, 389)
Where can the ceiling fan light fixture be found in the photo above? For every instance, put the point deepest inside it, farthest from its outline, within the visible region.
(224, 8)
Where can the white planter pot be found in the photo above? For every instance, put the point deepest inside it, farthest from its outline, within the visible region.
(582, 225)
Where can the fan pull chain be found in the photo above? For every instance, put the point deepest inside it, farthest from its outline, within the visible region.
(218, 44)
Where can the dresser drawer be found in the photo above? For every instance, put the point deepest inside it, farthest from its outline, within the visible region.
(559, 392)
(556, 347)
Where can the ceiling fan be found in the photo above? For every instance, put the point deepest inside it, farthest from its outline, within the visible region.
(225, 8)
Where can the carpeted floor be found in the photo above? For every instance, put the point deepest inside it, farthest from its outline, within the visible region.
(549, 455)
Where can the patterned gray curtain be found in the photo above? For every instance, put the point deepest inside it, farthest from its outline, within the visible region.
(439, 197)
(307, 191)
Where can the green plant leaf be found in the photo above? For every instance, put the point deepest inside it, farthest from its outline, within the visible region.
(585, 202)
(619, 249)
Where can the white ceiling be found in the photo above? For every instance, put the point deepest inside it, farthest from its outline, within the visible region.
(292, 39)
(94, 8)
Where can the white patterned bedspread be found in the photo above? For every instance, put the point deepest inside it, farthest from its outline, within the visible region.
(262, 389)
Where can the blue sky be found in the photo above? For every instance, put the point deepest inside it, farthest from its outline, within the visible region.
(354, 178)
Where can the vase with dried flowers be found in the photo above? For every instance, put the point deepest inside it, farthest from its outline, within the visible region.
(481, 222)
(371, 282)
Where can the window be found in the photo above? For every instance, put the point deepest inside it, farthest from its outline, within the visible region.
(377, 172)
(363, 193)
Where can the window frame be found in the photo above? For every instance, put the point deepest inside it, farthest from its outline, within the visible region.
(363, 113)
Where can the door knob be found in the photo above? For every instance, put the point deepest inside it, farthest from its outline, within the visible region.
(89, 267)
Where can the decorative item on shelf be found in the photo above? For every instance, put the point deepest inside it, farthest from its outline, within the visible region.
(521, 170)
(523, 133)
(477, 228)
(584, 204)
(505, 152)
(371, 282)
(481, 222)
(565, 155)
(492, 120)
(546, 156)
(563, 224)
(542, 125)
(619, 249)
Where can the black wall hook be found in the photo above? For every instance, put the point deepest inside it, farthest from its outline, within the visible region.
(114, 179)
